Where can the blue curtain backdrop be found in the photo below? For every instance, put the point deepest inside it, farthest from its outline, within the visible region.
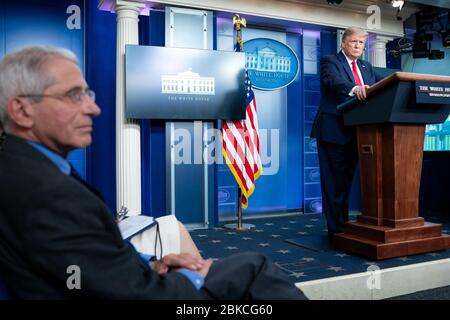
(153, 163)
(101, 76)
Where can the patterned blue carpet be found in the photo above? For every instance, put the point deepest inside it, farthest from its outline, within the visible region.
(300, 263)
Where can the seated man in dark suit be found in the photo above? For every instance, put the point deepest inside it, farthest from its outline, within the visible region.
(54, 225)
(342, 76)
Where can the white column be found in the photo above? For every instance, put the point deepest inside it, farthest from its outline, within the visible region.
(128, 133)
(378, 50)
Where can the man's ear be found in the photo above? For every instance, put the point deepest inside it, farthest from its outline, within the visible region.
(19, 112)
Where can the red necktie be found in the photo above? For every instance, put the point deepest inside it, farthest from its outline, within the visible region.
(355, 74)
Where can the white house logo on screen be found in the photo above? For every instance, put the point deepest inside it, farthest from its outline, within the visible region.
(271, 64)
(267, 59)
(188, 82)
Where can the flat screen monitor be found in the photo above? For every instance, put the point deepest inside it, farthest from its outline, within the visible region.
(184, 84)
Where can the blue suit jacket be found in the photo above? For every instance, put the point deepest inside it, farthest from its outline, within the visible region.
(336, 81)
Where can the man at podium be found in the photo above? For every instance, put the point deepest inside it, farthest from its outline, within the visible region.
(342, 76)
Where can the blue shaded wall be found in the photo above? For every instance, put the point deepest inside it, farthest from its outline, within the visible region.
(294, 177)
(312, 44)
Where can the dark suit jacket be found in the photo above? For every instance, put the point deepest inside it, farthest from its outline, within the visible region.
(336, 81)
(50, 221)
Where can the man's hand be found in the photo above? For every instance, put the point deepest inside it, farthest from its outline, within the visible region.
(182, 261)
(205, 269)
(360, 92)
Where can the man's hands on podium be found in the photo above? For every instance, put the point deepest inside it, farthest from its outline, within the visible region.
(172, 262)
(361, 92)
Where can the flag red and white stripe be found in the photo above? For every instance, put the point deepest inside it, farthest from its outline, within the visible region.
(241, 148)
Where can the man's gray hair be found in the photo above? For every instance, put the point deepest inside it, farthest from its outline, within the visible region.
(353, 30)
(23, 72)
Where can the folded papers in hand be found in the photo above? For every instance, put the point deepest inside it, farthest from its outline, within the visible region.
(132, 225)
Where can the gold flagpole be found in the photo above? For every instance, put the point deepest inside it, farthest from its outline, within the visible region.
(239, 22)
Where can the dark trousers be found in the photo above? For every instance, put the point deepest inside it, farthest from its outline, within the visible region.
(247, 276)
(337, 168)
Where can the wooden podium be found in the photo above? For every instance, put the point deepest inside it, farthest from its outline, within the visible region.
(390, 130)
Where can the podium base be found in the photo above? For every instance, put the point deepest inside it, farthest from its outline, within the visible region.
(379, 243)
(244, 226)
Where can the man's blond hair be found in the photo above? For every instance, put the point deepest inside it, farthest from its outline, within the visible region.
(353, 30)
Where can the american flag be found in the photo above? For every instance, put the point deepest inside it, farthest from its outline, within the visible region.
(241, 146)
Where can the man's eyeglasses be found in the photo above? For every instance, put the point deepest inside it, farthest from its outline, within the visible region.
(75, 95)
